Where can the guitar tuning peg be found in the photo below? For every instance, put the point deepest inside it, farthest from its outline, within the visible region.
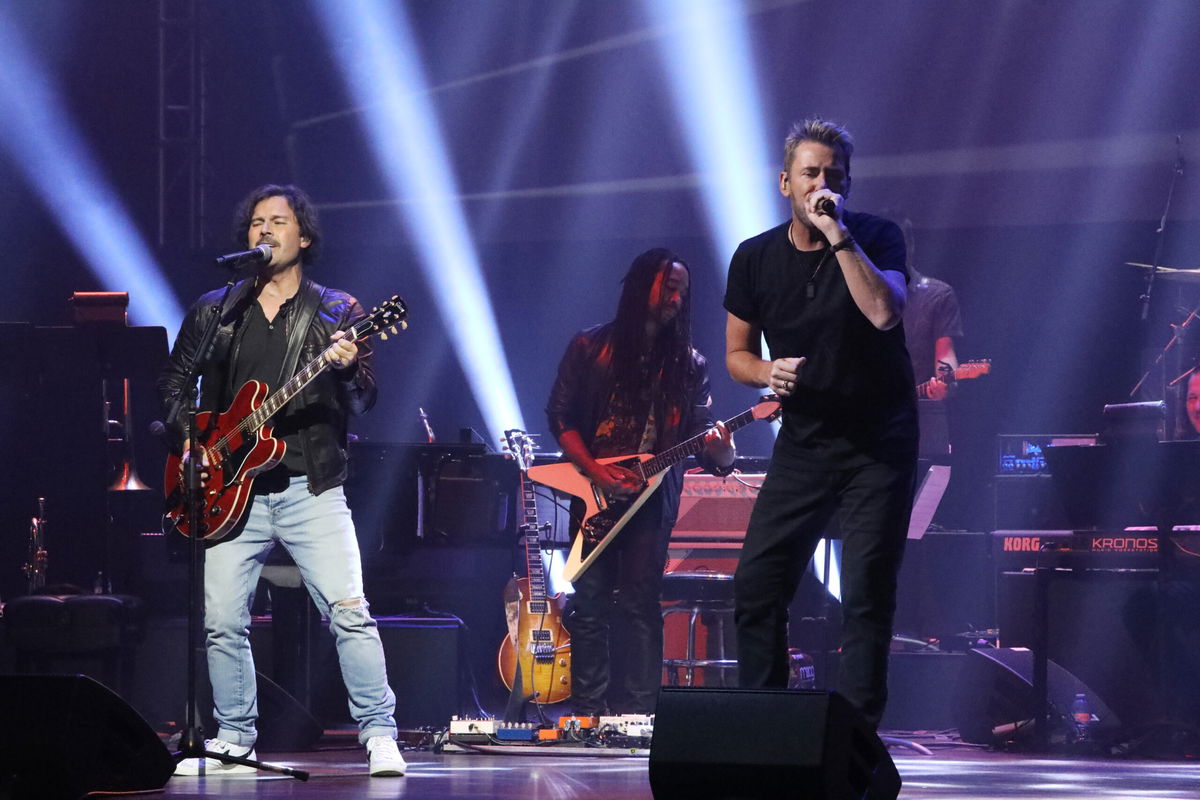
(394, 331)
(383, 336)
(404, 325)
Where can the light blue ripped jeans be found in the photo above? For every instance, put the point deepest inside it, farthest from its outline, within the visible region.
(319, 534)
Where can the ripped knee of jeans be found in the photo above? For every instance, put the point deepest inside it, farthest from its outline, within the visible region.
(350, 615)
(350, 609)
(350, 604)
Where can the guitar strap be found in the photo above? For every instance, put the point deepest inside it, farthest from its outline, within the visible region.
(311, 295)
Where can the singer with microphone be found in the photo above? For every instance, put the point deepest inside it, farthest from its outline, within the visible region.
(827, 290)
(274, 323)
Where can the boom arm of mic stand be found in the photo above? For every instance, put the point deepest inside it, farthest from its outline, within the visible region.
(1176, 171)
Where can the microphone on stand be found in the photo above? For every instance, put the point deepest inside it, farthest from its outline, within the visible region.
(259, 255)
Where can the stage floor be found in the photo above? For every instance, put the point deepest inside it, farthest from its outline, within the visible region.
(961, 773)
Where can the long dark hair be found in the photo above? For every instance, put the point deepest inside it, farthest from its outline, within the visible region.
(302, 206)
(668, 357)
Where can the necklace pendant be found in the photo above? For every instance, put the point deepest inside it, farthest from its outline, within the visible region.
(810, 291)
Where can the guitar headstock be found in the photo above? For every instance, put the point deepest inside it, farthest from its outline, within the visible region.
(769, 408)
(519, 445)
(390, 315)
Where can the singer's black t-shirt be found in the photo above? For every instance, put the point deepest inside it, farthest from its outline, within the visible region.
(854, 400)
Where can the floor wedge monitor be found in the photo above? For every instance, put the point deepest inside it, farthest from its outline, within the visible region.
(755, 744)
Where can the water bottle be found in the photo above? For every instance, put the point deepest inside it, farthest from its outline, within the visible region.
(1085, 721)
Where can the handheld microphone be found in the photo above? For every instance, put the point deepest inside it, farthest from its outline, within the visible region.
(259, 255)
(827, 207)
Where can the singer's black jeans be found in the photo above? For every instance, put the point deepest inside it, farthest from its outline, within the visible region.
(790, 516)
(615, 618)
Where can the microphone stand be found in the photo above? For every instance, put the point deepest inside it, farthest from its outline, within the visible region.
(1176, 171)
(191, 743)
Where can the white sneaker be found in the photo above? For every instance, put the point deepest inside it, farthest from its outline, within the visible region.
(211, 766)
(384, 757)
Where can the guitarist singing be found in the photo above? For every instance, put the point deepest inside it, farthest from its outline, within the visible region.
(634, 385)
(275, 322)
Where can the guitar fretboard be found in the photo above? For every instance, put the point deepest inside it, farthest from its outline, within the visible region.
(261, 415)
(672, 456)
(533, 555)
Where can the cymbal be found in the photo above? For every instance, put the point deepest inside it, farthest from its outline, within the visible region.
(1171, 273)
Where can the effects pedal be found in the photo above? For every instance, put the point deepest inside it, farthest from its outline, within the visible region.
(468, 726)
(636, 726)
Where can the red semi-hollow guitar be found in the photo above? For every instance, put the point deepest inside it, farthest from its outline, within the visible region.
(237, 443)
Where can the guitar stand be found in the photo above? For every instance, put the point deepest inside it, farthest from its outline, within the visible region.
(191, 742)
(518, 701)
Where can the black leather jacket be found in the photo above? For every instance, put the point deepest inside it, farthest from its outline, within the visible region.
(326, 402)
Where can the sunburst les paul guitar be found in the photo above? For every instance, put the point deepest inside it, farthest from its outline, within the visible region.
(538, 643)
(604, 516)
(238, 445)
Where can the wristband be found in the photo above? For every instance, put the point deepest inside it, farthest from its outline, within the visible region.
(844, 244)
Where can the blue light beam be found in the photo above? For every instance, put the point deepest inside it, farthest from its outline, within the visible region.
(720, 110)
(45, 146)
(377, 54)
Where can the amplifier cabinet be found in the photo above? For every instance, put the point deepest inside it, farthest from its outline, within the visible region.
(1102, 628)
(713, 515)
(1027, 502)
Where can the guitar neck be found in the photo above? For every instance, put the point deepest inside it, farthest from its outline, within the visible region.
(280, 398)
(672, 456)
(533, 556)
(963, 372)
(285, 393)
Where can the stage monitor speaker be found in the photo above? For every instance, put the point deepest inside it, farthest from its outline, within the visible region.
(1102, 626)
(63, 736)
(284, 725)
(765, 743)
(995, 701)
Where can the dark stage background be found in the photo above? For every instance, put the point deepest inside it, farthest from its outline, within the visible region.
(1031, 144)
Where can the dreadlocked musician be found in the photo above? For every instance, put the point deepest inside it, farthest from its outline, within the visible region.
(633, 385)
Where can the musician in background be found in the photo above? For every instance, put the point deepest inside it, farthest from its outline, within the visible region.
(827, 289)
(932, 321)
(1179, 597)
(634, 385)
(1192, 401)
(278, 321)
